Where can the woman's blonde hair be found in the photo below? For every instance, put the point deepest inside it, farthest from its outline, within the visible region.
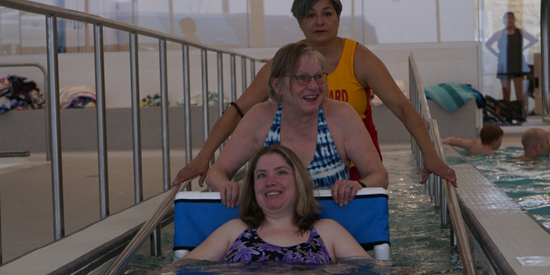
(286, 62)
(306, 210)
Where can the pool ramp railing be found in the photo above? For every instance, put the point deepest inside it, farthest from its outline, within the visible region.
(51, 14)
(441, 190)
(545, 58)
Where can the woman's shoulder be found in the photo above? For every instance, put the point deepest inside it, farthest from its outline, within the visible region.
(327, 227)
(262, 111)
(234, 226)
(337, 109)
(325, 222)
(361, 51)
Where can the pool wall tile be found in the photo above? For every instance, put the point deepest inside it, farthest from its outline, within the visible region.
(514, 233)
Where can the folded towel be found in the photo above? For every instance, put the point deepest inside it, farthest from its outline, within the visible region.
(452, 96)
(68, 94)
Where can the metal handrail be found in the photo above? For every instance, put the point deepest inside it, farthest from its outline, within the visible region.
(49, 10)
(145, 231)
(545, 55)
(421, 105)
(151, 227)
(53, 110)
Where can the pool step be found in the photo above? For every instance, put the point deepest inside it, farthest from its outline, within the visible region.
(15, 154)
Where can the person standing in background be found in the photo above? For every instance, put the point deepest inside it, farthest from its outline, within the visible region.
(511, 63)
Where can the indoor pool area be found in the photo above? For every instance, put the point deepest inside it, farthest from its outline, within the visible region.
(104, 105)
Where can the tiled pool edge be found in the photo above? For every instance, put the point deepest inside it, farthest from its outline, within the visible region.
(501, 226)
(491, 252)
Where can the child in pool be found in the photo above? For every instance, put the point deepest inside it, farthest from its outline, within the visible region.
(491, 138)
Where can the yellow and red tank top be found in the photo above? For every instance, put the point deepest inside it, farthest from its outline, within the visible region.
(343, 86)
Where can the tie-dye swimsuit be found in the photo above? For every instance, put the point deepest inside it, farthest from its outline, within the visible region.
(326, 166)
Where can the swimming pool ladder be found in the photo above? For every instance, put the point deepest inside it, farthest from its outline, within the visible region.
(51, 14)
(442, 192)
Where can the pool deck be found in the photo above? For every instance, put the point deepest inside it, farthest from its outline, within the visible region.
(512, 233)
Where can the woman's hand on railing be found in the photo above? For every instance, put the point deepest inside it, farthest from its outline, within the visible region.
(194, 168)
(440, 168)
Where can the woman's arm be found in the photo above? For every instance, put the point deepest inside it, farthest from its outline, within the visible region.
(529, 37)
(339, 242)
(255, 93)
(460, 142)
(355, 145)
(371, 72)
(494, 38)
(236, 153)
(215, 247)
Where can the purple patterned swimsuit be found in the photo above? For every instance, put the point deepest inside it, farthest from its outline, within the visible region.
(249, 247)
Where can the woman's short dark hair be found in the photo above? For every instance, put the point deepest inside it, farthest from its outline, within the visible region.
(306, 208)
(490, 132)
(300, 8)
(286, 62)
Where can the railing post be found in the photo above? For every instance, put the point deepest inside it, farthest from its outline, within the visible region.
(232, 66)
(221, 96)
(101, 122)
(1, 260)
(444, 205)
(243, 74)
(545, 58)
(164, 114)
(205, 111)
(252, 70)
(187, 106)
(55, 131)
(156, 242)
(136, 124)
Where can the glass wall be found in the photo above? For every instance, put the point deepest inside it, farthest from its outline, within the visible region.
(261, 23)
(504, 74)
(241, 23)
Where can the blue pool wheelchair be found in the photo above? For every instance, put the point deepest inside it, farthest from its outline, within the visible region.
(198, 214)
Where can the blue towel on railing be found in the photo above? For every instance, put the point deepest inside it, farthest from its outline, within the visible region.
(452, 96)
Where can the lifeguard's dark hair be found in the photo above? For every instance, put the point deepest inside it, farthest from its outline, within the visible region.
(300, 8)
(490, 132)
(505, 16)
(306, 208)
(286, 63)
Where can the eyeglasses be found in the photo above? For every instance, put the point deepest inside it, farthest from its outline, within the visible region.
(304, 79)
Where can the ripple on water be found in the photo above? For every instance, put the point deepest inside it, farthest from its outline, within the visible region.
(528, 183)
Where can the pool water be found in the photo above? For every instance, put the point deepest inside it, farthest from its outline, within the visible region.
(419, 244)
(527, 182)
